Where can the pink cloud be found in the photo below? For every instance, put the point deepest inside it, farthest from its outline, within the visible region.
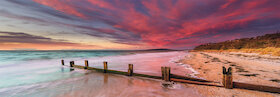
(164, 23)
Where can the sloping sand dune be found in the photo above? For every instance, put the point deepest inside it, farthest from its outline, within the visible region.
(252, 69)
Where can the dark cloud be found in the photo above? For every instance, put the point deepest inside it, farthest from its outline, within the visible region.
(19, 37)
(21, 17)
(116, 35)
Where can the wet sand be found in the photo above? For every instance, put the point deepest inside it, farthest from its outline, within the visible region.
(249, 69)
(111, 85)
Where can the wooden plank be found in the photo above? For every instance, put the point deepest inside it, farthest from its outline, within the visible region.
(116, 72)
(144, 75)
(183, 79)
(134, 74)
(96, 69)
(188, 78)
(148, 76)
(195, 82)
(78, 66)
(119, 72)
(256, 87)
(140, 75)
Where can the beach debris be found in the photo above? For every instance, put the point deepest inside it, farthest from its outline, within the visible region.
(275, 80)
(72, 69)
(216, 60)
(170, 85)
(240, 69)
(262, 70)
(232, 65)
(249, 74)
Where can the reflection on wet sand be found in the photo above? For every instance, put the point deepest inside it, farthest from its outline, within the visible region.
(105, 78)
(95, 84)
(110, 85)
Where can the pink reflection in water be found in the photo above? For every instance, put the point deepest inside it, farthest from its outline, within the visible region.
(110, 85)
(146, 63)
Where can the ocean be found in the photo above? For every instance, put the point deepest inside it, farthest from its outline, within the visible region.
(40, 73)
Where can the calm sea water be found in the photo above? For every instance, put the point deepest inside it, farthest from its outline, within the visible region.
(27, 67)
(8, 57)
(27, 73)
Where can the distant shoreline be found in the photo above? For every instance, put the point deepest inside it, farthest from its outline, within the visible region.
(101, 50)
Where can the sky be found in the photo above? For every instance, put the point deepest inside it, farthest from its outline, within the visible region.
(131, 24)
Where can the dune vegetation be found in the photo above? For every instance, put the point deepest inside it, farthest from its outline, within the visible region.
(263, 51)
(266, 44)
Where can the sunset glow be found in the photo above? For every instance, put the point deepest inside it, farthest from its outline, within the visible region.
(132, 24)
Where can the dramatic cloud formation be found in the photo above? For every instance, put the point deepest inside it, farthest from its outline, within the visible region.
(178, 24)
(18, 40)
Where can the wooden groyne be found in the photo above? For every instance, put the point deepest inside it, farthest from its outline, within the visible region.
(256, 87)
(227, 80)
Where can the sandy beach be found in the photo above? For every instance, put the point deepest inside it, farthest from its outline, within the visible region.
(247, 68)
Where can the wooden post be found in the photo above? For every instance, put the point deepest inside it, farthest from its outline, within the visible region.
(224, 75)
(227, 78)
(167, 73)
(86, 64)
(162, 73)
(72, 63)
(229, 83)
(105, 66)
(62, 62)
(130, 69)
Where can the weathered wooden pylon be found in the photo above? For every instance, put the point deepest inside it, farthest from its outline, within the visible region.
(227, 78)
(86, 64)
(165, 73)
(130, 70)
